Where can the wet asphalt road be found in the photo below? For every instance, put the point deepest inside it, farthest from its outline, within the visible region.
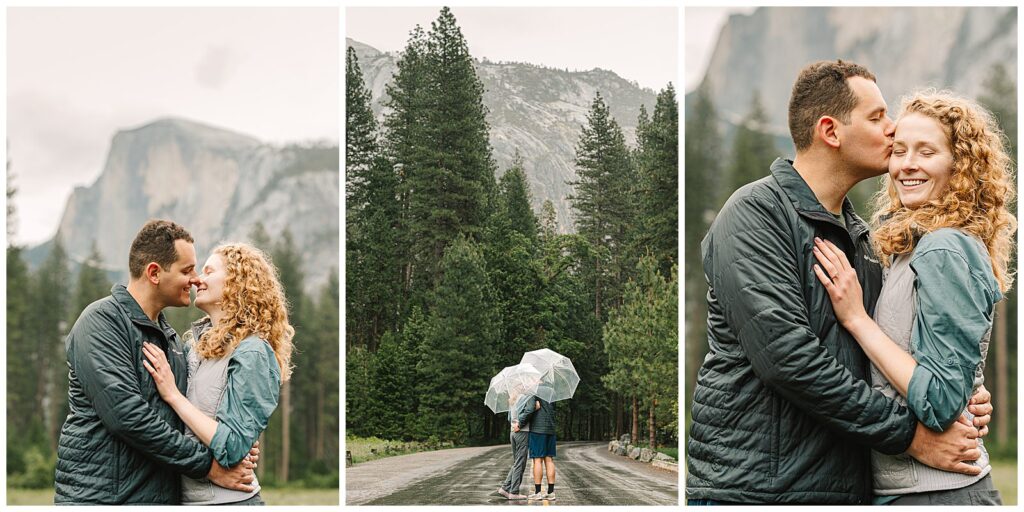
(586, 474)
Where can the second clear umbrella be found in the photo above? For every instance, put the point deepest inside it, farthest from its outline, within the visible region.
(559, 378)
(509, 384)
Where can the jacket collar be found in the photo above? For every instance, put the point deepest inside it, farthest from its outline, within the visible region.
(808, 205)
(135, 312)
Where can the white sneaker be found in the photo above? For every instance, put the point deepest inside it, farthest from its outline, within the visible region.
(550, 497)
(537, 496)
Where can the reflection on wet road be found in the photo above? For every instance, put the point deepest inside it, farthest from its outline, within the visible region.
(586, 474)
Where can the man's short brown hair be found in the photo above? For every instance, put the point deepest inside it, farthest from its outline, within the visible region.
(820, 90)
(155, 243)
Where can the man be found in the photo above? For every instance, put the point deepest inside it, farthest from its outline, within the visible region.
(519, 419)
(542, 446)
(122, 444)
(782, 412)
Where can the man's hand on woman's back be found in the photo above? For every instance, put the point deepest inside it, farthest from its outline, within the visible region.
(947, 450)
(239, 477)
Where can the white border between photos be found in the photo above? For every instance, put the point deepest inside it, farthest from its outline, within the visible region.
(341, 5)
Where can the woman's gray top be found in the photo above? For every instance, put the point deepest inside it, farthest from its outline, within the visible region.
(897, 314)
(241, 391)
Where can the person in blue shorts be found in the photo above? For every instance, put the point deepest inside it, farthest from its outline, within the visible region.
(542, 448)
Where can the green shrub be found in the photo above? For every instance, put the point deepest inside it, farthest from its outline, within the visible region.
(39, 470)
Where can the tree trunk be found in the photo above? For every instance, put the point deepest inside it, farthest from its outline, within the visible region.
(321, 423)
(1001, 359)
(282, 471)
(635, 432)
(652, 438)
(619, 427)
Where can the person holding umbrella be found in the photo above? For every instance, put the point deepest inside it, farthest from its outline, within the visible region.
(541, 378)
(520, 411)
(542, 444)
(513, 390)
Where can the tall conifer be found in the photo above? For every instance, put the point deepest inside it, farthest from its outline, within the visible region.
(603, 200)
(658, 169)
(456, 353)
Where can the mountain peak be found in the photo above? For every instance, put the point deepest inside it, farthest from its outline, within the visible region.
(536, 110)
(190, 130)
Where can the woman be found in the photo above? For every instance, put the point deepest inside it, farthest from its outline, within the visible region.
(519, 419)
(238, 356)
(944, 235)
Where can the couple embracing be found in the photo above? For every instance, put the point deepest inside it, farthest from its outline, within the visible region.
(845, 365)
(155, 419)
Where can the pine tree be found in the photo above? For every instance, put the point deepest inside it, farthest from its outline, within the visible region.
(1000, 96)
(394, 379)
(288, 261)
(455, 357)
(658, 169)
(515, 199)
(404, 142)
(703, 154)
(449, 180)
(510, 247)
(360, 132)
(359, 413)
(641, 340)
(603, 198)
(93, 284)
(371, 252)
(24, 427)
(548, 220)
(51, 286)
(320, 410)
(753, 150)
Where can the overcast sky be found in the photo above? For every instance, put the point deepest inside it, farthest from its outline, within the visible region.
(77, 75)
(702, 27)
(637, 43)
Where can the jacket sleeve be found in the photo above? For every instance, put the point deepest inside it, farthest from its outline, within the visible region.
(250, 397)
(954, 313)
(524, 410)
(100, 355)
(755, 277)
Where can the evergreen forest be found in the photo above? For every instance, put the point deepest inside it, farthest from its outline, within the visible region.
(451, 275)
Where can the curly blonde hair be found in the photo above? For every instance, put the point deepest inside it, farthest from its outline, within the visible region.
(253, 303)
(977, 197)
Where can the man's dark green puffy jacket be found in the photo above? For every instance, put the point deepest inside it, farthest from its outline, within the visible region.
(121, 443)
(543, 421)
(782, 412)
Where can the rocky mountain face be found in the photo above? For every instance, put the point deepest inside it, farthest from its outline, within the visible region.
(907, 48)
(216, 183)
(539, 111)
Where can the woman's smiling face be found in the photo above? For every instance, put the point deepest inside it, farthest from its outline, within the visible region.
(210, 291)
(921, 161)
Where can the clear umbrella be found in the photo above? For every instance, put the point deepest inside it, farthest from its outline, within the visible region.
(509, 384)
(559, 378)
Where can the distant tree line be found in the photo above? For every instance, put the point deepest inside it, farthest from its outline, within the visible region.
(711, 179)
(451, 276)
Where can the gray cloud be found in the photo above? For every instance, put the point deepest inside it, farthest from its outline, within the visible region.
(215, 67)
